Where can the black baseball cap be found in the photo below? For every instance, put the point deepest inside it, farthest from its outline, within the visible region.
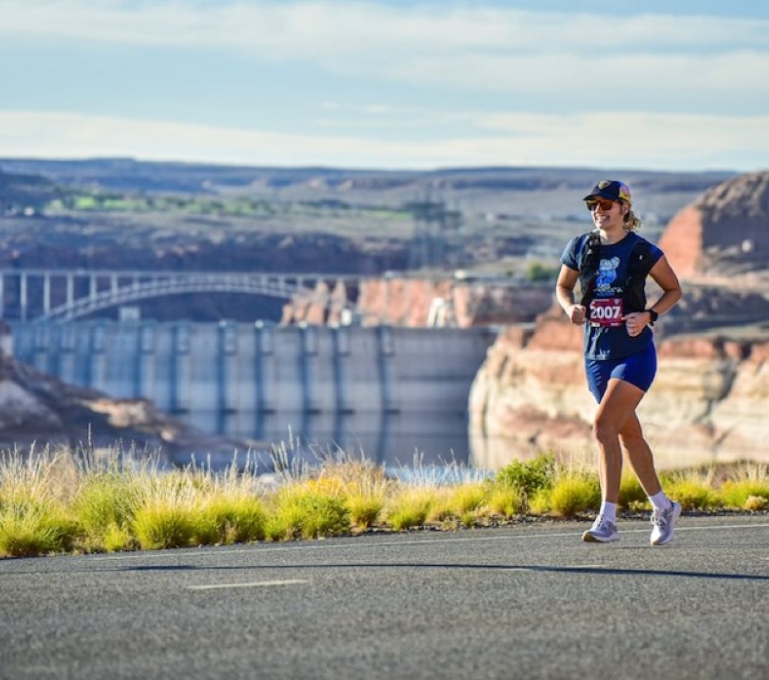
(612, 189)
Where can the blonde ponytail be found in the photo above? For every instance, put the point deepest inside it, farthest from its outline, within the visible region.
(632, 221)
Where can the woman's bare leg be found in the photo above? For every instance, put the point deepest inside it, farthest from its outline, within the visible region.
(640, 455)
(615, 410)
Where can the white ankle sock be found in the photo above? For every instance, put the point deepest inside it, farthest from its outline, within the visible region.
(660, 501)
(608, 511)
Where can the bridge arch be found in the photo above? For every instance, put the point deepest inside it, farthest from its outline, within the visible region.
(126, 287)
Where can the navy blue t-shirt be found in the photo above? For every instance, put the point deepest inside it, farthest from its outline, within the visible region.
(610, 342)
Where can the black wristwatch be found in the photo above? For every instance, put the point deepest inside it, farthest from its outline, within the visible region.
(653, 316)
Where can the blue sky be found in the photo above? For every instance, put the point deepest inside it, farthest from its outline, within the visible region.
(389, 83)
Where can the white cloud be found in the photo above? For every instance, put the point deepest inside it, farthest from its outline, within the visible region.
(327, 28)
(612, 139)
(472, 47)
(680, 87)
(564, 73)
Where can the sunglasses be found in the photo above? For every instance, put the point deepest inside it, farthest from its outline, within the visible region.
(605, 204)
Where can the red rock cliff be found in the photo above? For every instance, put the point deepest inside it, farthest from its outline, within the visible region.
(707, 404)
(724, 232)
(419, 303)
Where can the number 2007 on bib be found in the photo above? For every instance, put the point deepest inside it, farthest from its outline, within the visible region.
(606, 312)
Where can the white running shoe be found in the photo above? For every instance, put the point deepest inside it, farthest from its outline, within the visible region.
(663, 523)
(602, 531)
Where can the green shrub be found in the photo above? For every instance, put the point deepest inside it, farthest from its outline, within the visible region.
(442, 507)
(748, 483)
(537, 271)
(49, 505)
(539, 503)
(528, 476)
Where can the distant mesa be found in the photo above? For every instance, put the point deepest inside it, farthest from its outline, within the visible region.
(725, 232)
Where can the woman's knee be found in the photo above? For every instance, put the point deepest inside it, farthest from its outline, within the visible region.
(604, 429)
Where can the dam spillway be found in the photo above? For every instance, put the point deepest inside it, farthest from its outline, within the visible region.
(387, 392)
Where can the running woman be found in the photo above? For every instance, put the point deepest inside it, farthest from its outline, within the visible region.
(611, 264)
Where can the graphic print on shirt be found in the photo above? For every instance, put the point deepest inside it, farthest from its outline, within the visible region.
(607, 308)
(607, 274)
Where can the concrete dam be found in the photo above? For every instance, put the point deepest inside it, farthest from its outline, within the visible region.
(389, 393)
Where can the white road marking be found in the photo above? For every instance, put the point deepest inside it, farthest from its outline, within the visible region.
(255, 584)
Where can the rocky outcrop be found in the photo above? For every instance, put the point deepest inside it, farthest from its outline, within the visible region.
(725, 232)
(418, 303)
(707, 404)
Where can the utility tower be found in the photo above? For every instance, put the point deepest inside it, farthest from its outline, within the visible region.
(436, 232)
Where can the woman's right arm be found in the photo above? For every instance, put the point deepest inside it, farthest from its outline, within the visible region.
(564, 293)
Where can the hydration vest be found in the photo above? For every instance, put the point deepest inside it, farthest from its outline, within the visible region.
(638, 268)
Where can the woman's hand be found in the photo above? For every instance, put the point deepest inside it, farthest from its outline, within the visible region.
(636, 322)
(577, 314)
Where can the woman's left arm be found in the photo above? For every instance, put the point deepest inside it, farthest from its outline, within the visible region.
(666, 279)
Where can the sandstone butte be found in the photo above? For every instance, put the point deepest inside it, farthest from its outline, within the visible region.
(708, 403)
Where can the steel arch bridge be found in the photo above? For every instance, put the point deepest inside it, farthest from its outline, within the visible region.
(65, 295)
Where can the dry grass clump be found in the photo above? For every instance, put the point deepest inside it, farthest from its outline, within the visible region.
(307, 510)
(362, 485)
(631, 494)
(572, 492)
(34, 518)
(746, 487)
(409, 507)
(105, 502)
(196, 506)
(49, 504)
(505, 501)
(464, 503)
(692, 489)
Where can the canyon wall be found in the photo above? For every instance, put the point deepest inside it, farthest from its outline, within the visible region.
(419, 303)
(708, 402)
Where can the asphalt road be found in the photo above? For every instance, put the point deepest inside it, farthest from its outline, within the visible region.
(526, 602)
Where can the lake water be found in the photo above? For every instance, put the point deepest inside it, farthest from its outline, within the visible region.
(386, 393)
(389, 439)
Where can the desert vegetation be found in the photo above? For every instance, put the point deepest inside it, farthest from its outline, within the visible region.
(76, 502)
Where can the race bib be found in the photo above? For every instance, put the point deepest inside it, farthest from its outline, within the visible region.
(606, 312)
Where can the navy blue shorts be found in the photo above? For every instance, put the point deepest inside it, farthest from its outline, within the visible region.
(637, 369)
